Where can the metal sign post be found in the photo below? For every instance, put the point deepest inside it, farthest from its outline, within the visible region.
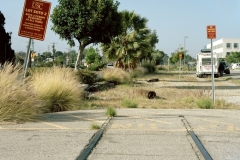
(213, 86)
(180, 69)
(211, 34)
(27, 58)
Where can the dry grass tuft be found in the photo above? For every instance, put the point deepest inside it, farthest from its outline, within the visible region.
(57, 88)
(116, 75)
(17, 102)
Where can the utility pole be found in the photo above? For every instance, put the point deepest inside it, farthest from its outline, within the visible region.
(184, 50)
(53, 50)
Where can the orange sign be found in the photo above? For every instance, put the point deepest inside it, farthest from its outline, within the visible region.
(34, 19)
(180, 55)
(211, 32)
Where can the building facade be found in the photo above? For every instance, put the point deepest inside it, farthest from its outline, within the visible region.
(225, 46)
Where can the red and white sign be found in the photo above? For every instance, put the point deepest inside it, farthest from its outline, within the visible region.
(34, 19)
(211, 32)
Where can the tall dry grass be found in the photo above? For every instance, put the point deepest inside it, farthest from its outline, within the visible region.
(117, 75)
(17, 102)
(57, 89)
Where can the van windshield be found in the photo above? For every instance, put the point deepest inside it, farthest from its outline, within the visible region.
(207, 61)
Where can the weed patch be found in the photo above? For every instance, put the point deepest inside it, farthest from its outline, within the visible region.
(95, 126)
(204, 103)
(129, 103)
(111, 112)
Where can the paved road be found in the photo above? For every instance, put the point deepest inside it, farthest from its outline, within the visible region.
(133, 134)
(233, 73)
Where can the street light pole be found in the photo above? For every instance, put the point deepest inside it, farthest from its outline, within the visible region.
(184, 49)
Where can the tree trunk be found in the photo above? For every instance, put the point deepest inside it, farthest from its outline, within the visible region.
(80, 51)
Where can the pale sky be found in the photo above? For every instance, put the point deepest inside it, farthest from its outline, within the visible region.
(172, 19)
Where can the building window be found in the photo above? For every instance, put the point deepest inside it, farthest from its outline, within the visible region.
(235, 45)
(228, 53)
(228, 45)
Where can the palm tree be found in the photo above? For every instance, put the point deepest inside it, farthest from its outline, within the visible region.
(134, 42)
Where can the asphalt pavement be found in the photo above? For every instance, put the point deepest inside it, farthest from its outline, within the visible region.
(132, 134)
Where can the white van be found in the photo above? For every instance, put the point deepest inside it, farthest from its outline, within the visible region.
(204, 66)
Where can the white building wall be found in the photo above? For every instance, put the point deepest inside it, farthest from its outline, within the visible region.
(225, 46)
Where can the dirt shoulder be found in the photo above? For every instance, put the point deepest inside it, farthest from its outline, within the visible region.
(173, 92)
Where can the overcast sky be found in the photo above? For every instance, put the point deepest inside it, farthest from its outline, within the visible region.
(172, 19)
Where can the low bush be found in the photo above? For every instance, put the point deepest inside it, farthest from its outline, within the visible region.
(138, 72)
(111, 112)
(129, 103)
(96, 66)
(87, 77)
(150, 67)
(116, 75)
(17, 101)
(57, 89)
(204, 103)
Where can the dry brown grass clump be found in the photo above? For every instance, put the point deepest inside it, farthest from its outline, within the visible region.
(57, 89)
(117, 75)
(17, 102)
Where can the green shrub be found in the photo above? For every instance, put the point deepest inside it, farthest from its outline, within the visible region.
(129, 103)
(150, 67)
(87, 77)
(57, 89)
(111, 112)
(17, 101)
(204, 103)
(138, 72)
(96, 66)
(116, 75)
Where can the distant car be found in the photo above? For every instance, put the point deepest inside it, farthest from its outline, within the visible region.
(226, 67)
(235, 66)
(110, 65)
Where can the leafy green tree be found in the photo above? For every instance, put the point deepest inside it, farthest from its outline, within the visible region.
(92, 55)
(58, 53)
(46, 55)
(20, 57)
(72, 56)
(175, 57)
(87, 21)
(6, 52)
(234, 57)
(135, 42)
(157, 56)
